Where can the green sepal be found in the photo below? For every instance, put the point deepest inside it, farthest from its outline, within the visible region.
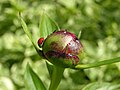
(47, 25)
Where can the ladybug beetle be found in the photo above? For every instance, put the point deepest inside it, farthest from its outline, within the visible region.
(40, 42)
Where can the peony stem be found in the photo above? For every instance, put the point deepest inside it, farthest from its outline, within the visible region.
(56, 77)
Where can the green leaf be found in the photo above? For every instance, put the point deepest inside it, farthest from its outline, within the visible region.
(96, 64)
(27, 31)
(101, 86)
(47, 26)
(32, 81)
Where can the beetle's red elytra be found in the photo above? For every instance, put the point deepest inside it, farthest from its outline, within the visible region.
(40, 41)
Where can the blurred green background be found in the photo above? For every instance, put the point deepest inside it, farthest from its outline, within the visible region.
(99, 21)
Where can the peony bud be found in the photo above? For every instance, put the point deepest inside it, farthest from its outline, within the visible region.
(62, 48)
